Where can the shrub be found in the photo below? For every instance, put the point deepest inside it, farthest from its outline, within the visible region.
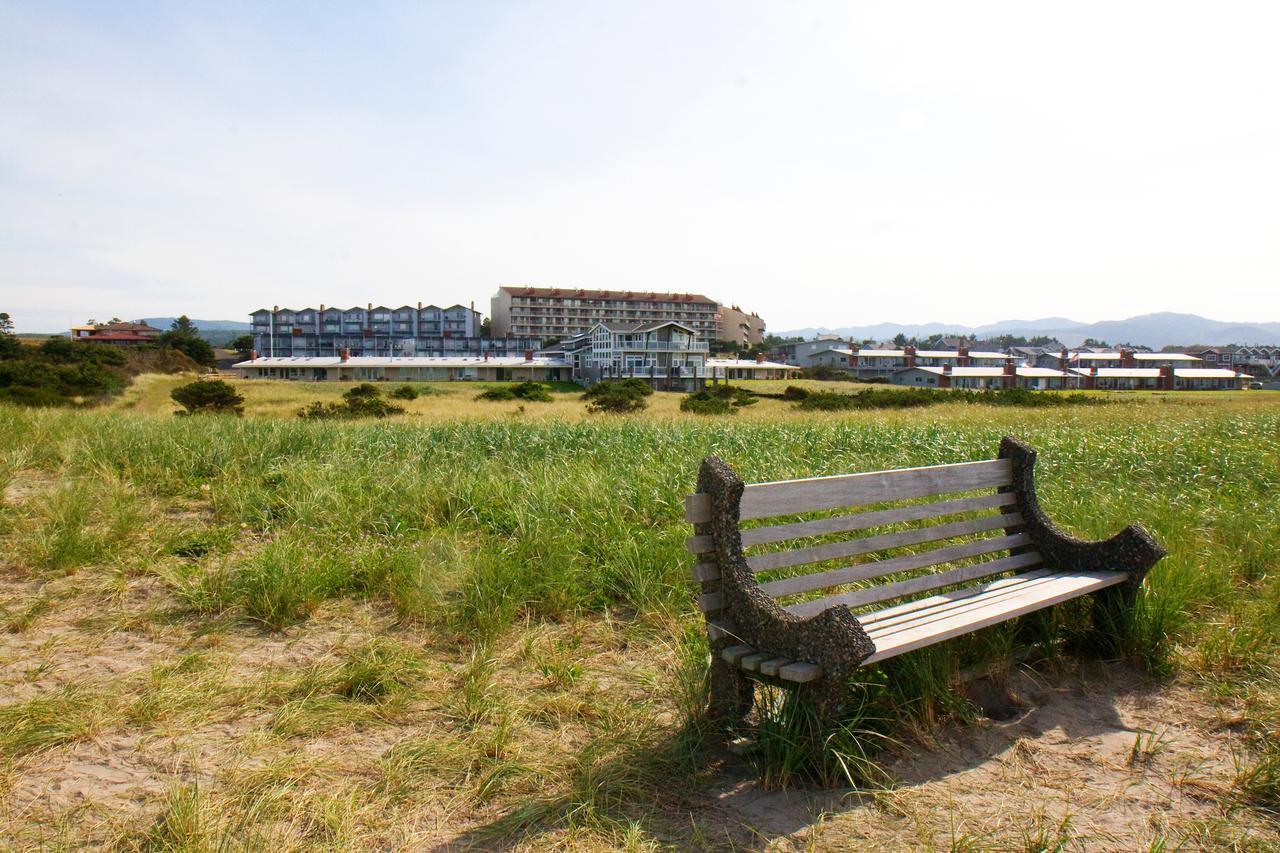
(533, 391)
(206, 396)
(706, 403)
(405, 392)
(362, 401)
(617, 397)
(795, 392)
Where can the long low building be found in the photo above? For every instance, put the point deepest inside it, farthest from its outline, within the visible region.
(1007, 376)
(412, 369)
(541, 367)
(1163, 378)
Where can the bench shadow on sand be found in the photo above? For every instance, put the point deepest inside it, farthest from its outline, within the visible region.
(733, 809)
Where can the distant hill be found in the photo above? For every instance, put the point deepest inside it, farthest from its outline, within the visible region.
(202, 325)
(1153, 330)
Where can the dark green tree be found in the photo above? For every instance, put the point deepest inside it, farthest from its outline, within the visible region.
(184, 336)
(243, 346)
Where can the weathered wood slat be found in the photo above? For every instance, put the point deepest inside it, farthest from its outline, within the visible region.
(881, 620)
(979, 615)
(752, 661)
(789, 497)
(883, 542)
(800, 672)
(733, 654)
(718, 629)
(705, 571)
(700, 544)
(985, 597)
(709, 602)
(697, 508)
(936, 580)
(859, 521)
(771, 667)
(907, 562)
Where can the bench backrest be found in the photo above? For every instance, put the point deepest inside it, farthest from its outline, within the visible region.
(937, 525)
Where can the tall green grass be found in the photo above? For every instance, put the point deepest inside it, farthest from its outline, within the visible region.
(474, 526)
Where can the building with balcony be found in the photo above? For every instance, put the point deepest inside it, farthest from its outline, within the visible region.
(376, 331)
(560, 313)
(667, 354)
(348, 368)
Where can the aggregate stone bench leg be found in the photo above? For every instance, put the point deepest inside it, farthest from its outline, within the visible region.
(833, 639)
(1132, 550)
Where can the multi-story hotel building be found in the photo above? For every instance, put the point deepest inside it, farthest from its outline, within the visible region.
(376, 330)
(554, 312)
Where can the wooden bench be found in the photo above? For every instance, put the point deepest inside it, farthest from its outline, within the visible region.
(777, 631)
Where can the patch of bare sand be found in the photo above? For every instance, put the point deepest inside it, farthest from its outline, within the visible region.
(27, 484)
(1063, 767)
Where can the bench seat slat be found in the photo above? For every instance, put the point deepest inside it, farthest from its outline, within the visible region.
(981, 612)
(919, 608)
(883, 542)
(788, 497)
(911, 586)
(907, 562)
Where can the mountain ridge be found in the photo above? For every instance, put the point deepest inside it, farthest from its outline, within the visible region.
(1155, 330)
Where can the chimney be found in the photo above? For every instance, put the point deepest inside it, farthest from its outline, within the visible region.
(419, 304)
(1166, 378)
(322, 306)
(253, 355)
(910, 353)
(760, 358)
(528, 355)
(1091, 379)
(1010, 377)
(486, 355)
(345, 354)
(944, 381)
(1127, 359)
(1064, 356)
(962, 355)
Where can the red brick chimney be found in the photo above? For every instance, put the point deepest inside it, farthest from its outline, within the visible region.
(253, 355)
(962, 352)
(1166, 378)
(760, 358)
(1091, 379)
(344, 354)
(910, 353)
(1127, 359)
(1064, 356)
(944, 381)
(528, 355)
(1009, 379)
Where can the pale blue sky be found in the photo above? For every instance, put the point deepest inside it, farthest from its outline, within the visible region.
(822, 163)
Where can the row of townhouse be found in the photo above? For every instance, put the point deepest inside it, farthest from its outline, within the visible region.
(1013, 375)
(1261, 361)
(965, 368)
(377, 331)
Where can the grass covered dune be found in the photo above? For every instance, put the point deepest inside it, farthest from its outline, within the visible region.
(504, 611)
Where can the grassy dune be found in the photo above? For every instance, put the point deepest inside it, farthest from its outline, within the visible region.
(473, 623)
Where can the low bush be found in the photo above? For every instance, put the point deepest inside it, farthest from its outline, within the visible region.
(795, 392)
(534, 392)
(910, 398)
(705, 403)
(720, 400)
(362, 401)
(618, 397)
(208, 396)
(405, 392)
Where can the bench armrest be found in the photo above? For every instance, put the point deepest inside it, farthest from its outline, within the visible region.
(833, 638)
(1132, 550)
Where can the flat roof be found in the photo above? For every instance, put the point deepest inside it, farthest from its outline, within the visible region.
(1165, 356)
(881, 353)
(415, 361)
(749, 362)
(1121, 372)
(989, 372)
(624, 295)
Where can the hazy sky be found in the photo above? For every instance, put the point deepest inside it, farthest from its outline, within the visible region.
(822, 163)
